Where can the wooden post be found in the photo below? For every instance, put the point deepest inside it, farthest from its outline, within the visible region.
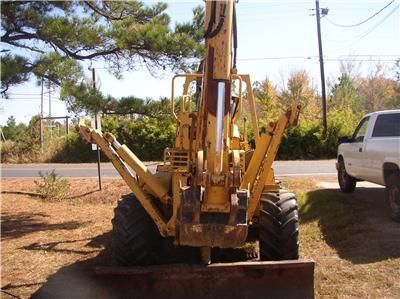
(41, 115)
(67, 124)
(96, 126)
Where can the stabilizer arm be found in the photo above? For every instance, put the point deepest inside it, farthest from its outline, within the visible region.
(121, 157)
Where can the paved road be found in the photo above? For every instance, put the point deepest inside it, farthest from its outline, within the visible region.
(282, 169)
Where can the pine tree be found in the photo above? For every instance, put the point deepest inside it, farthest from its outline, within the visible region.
(49, 38)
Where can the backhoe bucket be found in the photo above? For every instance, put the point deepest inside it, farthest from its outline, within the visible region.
(284, 279)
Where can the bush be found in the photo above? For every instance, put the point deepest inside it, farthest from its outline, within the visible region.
(146, 137)
(301, 142)
(305, 141)
(7, 151)
(71, 149)
(20, 152)
(52, 186)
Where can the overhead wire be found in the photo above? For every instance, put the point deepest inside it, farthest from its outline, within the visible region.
(361, 36)
(56, 101)
(344, 58)
(362, 22)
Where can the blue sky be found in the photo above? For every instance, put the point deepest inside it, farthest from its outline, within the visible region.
(275, 39)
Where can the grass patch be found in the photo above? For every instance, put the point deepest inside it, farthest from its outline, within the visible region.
(298, 186)
(352, 240)
(329, 206)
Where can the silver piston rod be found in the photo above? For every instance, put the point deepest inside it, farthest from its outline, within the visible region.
(219, 134)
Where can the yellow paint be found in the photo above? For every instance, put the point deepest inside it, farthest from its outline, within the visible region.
(192, 160)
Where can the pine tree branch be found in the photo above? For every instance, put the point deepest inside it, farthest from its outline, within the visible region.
(77, 56)
(103, 13)
(26, 47)
(10, 39)
(7, 38)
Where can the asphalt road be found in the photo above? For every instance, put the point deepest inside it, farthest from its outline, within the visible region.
(282, 169)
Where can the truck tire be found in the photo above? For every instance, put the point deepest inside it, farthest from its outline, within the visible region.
(393, 196)
(279, 227)
(346, 182)
(135, 238)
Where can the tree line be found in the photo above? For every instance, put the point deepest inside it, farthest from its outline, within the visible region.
(147, 127)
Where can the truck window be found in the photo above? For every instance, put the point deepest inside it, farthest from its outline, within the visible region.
(387, 125)
(361, 130)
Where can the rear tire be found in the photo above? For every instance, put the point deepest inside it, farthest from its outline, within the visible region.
(393, 196)
(135, 238)
(279, 227)
(346, 182)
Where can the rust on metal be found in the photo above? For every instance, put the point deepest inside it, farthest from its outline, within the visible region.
(284, 279)
(224, 230)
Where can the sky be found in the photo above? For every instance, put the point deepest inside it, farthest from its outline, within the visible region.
(275, 38)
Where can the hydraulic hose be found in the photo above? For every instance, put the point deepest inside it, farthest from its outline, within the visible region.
(212, 33)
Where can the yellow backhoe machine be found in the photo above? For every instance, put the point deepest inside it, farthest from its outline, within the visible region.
(209, 192)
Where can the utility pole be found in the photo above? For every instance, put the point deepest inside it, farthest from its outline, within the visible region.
(50, 122)
(321, 64)
(49, 86)
(41, 113)
(96, 126)
(67, 125)
(2, 135)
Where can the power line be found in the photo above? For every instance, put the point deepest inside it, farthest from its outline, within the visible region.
(277, 58)
(361, 60)
(371, 55)
(362, 22)
(24, 94)
(58, 101)
(395, 57)
(360, 37)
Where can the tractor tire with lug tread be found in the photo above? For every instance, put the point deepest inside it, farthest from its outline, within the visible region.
(135, 238)
(393, 195)
(346, 182)
(279, 227)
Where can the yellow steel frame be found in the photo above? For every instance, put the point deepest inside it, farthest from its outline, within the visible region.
(259, 175)
(95, 136)
(218, 174)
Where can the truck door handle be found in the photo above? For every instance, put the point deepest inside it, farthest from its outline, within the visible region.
(360, 149)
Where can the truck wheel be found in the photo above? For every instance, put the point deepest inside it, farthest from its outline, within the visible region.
(393, 196)
(135, 237)
(346, 182)
(279, 227)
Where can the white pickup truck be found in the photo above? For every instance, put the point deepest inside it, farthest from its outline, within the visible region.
(373, 154)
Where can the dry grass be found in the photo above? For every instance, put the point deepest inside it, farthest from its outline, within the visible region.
(39, 238)
(48, 247)
(81, 191)
(354, 243)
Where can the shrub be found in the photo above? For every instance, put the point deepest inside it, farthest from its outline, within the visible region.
(51, 186)
(71, 149)
(306, 141)
(7, 152)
